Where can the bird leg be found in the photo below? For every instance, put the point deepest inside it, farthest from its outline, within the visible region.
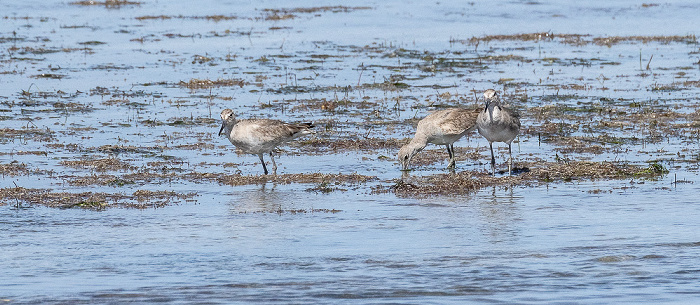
(493, 159)
(274, 165)
(263, 163)
(451, 153)
(510, 161)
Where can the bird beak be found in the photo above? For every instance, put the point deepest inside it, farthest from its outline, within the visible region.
(222, 128)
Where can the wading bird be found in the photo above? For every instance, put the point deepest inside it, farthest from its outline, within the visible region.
(260, 136)
(498, 124)
(442, 127)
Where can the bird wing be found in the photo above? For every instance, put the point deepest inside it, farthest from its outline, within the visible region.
(458, 121)
(265, 130)
(514, 116)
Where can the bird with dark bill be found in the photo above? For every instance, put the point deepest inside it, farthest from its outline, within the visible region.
(497, 123)
(260, 136)
(442, 127)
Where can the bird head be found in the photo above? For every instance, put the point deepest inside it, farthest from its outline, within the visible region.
(227, 117)
(491, 97)
(406, 153)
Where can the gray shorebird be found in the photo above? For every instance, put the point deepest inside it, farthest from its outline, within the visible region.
(498, 124)
(442, 127)
(260, 136)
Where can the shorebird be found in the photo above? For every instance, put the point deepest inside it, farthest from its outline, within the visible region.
(442, 127)
(498, 124)
(259, 136)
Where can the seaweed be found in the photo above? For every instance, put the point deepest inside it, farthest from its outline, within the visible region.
(468, 182)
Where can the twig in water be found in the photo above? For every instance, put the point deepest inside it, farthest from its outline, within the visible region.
(362, 69)
(17, 205)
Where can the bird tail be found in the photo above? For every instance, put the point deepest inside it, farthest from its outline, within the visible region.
(300, 129)
(306, 127)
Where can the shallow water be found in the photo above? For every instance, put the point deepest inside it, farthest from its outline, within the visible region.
(94, 82)
(524, 245)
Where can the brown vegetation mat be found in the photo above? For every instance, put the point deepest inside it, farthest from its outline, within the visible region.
(16, 169)
(235, 180)
(442, 184)
(107, 3)
(318, 9)
(141, 177)
(290, 13)
(579, 39)
(43, 135)
(469, 181)
(196, 83)
(322, 145)
(99, 165)
(168, 176)
(140, 199)
(281, 211)
(209, 17)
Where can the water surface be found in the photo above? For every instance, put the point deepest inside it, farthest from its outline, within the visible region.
(103, 82)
